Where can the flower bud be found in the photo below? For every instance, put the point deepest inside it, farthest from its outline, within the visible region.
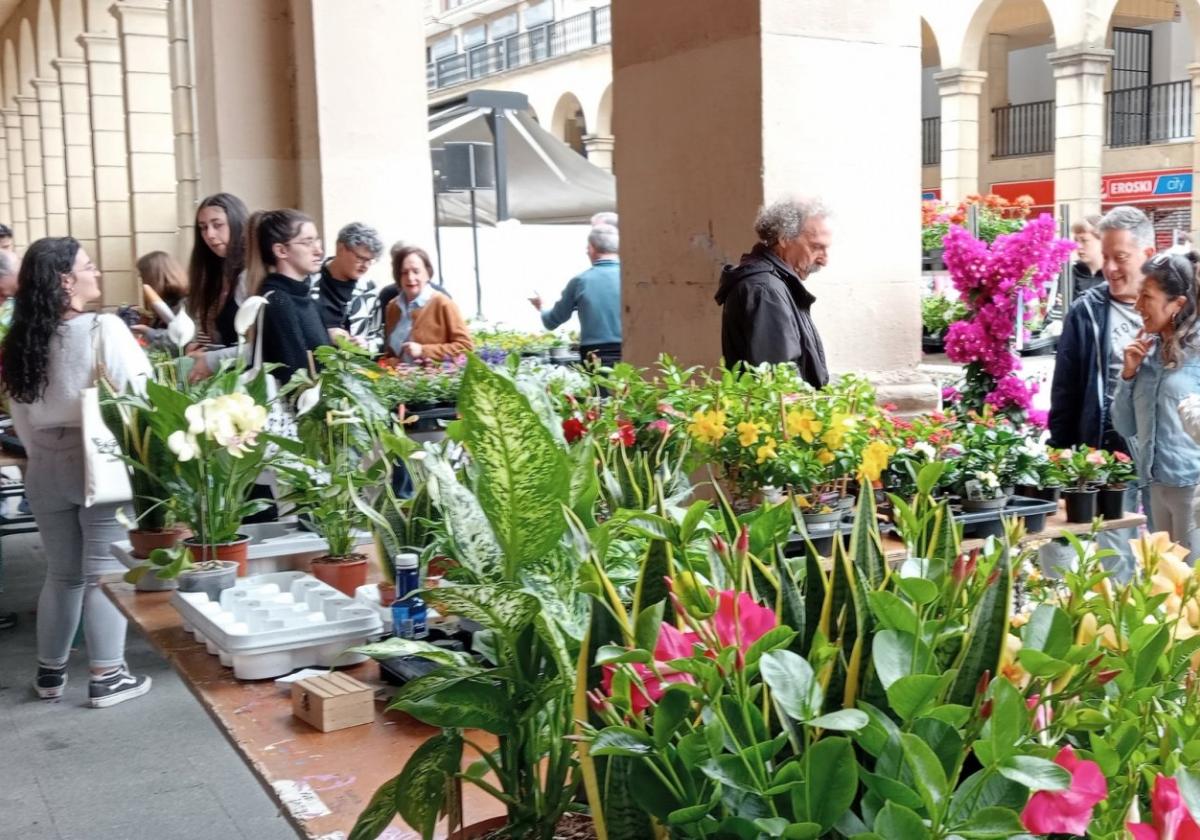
(692, 596)
(1106, 676)
(985, 711)
(743, 540)
(985, 679)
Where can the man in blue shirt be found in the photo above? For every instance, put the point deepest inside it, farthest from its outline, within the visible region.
(596, 296)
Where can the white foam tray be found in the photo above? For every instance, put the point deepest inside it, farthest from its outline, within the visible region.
(269, 625)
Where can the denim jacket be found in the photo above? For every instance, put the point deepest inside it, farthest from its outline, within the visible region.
(1146, 408)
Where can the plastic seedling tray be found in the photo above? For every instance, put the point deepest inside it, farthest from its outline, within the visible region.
(269, 625)
(987, 523)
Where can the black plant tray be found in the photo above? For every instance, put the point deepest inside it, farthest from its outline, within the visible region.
(1040, 345)
(822, 536)
(987, 523)
(429, 415)
(932, 344)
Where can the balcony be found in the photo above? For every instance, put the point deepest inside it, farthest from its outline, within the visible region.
(931, 141)
(1026, 129)
(542, 43)
(1146, 115)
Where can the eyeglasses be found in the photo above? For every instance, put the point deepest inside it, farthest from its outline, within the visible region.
(363, 262)
(314, 242)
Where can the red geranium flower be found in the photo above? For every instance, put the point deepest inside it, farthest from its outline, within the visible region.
(573, 429)
(626, 434)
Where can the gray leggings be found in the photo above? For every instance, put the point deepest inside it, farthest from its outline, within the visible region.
(1173, 510)
(76, 540)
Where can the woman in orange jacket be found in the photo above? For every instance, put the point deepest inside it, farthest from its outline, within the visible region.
(421, 322)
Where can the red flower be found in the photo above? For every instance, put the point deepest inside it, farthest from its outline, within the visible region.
(1067, 811)
(626, 434)
(741, 622)
(1122, 457)
(1172, 821)
(573, 429)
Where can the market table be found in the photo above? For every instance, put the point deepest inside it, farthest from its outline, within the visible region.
(321, 781)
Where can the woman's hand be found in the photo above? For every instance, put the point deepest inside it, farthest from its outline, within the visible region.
(200, 369)
(412, 349)
(139, 329)
(1135, 353)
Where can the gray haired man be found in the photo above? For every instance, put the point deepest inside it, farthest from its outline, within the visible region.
(596, 296)
(766, 313)
(349, 300)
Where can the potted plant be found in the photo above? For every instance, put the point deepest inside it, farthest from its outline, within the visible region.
(1119, 471)
(503, 523)
(1083, 468)
(938, 312)
(984, 471)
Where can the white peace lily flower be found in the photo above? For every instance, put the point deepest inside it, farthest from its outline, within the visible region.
(308, 400)
(183, 445)
(195, 418)
(181, 330)
(247, 314)
(989, 479)
(924, 449)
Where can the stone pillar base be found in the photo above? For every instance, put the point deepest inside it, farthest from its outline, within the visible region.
(910, 391)
(600, 149)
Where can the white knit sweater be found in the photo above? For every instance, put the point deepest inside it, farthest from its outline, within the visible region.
(72, 367)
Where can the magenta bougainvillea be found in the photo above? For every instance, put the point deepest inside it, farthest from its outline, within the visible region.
(991, 280)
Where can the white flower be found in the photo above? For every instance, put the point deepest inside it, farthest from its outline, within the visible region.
(989, 479)
(247, 314)
(181, 330)
(195, 417)
(308, 400)
(924, 449)
(183, 445)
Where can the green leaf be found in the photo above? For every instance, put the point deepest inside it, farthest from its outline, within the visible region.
(874, 738)
(830, 782)
(1048, 630)
(909, 696)
(897, 655)
(866, 551)
(731, 771)
(801, 831)
(1010, 719)
(395, 646)
(928, 774)
(893, 613)
(691, 520)
(1040, 665)
(1148, 655)
(843, 720)
(920, 590)
(889, 789)
(469, 534)
(670, 713)
(991, 823)
(688, 815)
(498, 607)
(473, 703)
(791, 681)
(616, 655)
(646, 627)
(896, 821)
(984, 644)
(522, 473)
(983, 789)
(418, 794)
(621, 740)
(773, 639)
(1035, 773)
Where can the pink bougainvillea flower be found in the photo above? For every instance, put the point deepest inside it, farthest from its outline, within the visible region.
(672, 644)
(1067, 811)
(1171, 819)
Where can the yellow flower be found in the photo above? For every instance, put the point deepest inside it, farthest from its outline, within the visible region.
(875, 460)
(766, 452)
(1089, 629)
(1172, 576)
(708, 426)
(826, 457)
(372, 374)
(1010, 668)
(747, 433)
(803, 424)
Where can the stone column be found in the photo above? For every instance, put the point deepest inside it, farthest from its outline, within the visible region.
(599, 149)
(679, 226)
(35, 191)
(6, 212)
(960, 96)
(16, 177)
(77, 144)
(1194, 72)
(995, 95)
(351, 168)
(54, 171)
(102, 53)
(150, 132)
(187, 174)
(1079, 77)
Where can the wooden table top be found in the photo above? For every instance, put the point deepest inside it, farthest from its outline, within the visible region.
(321, 781)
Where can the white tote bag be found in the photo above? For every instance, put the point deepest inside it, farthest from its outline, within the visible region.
(105, 476)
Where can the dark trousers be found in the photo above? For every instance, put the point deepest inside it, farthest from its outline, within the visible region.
(609, 354)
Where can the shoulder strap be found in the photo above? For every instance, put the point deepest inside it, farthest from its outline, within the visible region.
(98, 367)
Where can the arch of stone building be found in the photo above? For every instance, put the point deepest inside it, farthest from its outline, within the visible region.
(47, 39)
(929, 42)
(10, 73)
(964, 27)
(26, 59)
(603, 120)
(70, 27)
(98, 19)
(567, 106)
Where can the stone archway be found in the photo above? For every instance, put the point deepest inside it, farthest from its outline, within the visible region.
(568, 123)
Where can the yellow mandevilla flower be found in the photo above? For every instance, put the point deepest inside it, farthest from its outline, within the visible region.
(747, 433)
(767, 452)
(839, 425)
(804, 425)
(708, 426)
(875, 460)
(825, 457)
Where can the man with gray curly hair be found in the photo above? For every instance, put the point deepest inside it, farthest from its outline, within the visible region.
(766, 310)
(348, 300)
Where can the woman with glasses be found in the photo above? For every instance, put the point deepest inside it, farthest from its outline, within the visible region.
(283, 249)
(1161, 369)
(55, 349)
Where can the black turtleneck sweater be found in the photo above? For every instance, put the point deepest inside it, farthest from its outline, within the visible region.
(292, 325)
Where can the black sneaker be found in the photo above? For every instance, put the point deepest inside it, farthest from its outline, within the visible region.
(117, 687)
(51, 682)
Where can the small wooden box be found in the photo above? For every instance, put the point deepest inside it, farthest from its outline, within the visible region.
(333, 701)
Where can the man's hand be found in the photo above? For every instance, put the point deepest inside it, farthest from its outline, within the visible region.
(337, 332)
(1135, 353)
(200, 369)
(412, 349)
(536, 301)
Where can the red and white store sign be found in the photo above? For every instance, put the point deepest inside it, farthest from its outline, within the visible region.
(1159, 187)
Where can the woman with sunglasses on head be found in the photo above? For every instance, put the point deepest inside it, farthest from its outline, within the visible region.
(1162, 368)
(54, 350)
(282, 250)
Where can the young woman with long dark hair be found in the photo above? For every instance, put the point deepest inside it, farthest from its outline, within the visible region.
(53, 351)
(215, 271)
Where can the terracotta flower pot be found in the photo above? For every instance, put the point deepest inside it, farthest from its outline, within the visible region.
(143, 540)
(235, 552)
(387, 593)
(345, 574)
(578, 826)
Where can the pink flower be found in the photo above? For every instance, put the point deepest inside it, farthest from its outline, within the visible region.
(659, 426)
(1067, 811)
(573, 429)
(741, 622)
(672, 644)
(626, 434)
(1095, 458)
(1043, 714)
(1172, 821)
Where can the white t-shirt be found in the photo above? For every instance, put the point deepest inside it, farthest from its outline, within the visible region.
(1123, 324)
(71, 370)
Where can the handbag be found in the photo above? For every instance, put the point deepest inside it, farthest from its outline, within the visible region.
(105, 476)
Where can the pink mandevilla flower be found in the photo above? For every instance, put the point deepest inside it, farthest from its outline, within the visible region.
(1067, 811)
(1171, 818)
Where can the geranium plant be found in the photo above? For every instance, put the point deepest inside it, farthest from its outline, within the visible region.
(1081, 466)
(997, 215)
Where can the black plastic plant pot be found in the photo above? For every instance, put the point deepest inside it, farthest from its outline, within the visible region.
(1111, 502)
(1081, 505)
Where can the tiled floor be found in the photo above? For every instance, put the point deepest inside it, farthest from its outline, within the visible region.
(154, 768)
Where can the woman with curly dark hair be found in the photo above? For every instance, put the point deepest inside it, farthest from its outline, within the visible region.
(53, 351)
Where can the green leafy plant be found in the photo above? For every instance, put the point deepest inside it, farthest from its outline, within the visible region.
(146, 456)
(938, 312)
